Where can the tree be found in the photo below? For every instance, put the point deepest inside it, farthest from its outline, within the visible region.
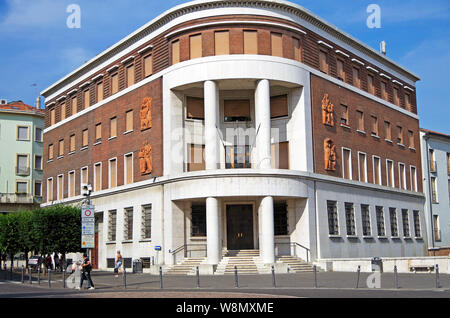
(9, 235)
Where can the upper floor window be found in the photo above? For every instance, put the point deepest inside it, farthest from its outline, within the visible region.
(276, 40)
(195, 46)
(279, 106)
(74, 106)
(98, 132)
(297, 49)
(114, 83)
(23, 133)
(384, 94)
(346, 163)
(86, 98)
(113, 127)
(344, 115)
(38, 134)
(52, 116)
(148, 65)
(195, 108)
(387, 131)
(129, 121)
(85, 138)
(237, 110)
(360, 118)
(250, 42)
(396, 96)
(99, 91)
(63, 111)
(370, 84)
(356, 79)
(175, 52)
(222, 42)
(50, 152)
(323, 61)
(130, 75)
(340, 70)
(408, 102)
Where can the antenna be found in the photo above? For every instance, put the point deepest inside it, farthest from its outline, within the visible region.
(383, 47)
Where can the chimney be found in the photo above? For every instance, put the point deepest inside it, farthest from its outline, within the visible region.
(38, 102)
(383, 47)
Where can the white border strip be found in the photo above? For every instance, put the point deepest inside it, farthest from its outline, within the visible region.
(112, 68)
(324, 44)
(97, 77)
(342, 53)
(397, 82)
(145, 49)
(358, 61)
(85, 84)
(385, 76)
(61, 98)
(127, 59)
(370, 68)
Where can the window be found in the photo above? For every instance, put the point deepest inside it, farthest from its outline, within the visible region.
(112, 221)
(60, 187)
(402, 176)
(195, 108)
(146, 228)
(297, 49)
(195, 46)
(413, 175)
(350, 219)
(370, 84)
(114, 83)
(323, 61)
(390, 173)
(434, 197)
(98, 132)
(38, 162)
(71, 185)
(86, 99)
(333, 228)
(376, 170)
(280, 155)
(384, 94)
(380, 221)
(346, 163)
(148, 65)
(365, 217)
(22, 165)
(128, 168)
(280, 218)
(50, 152)
(113, 127)
(112, 173)
(23, 133)
(98, 177)
(237, 156)
(411, 139)
(250, 42)
(175, 52)
(21, 187)
(362, 163)
(276, 44)
(237, 110)
(196, 159)
(374, 126)
(340, 70)
(222, 42)
(130, 75)
(396, 97)
(52, 116)
(38, 188)
(448, 163)
(387, 131)
(400, 135)
(129, 121)
(279, 106)
(432, 161)
(38, 135)
(61, 148)
(49, 189)
(99, 91)
(436, 229)
(128, 224)
(360, 118)
(85, 138)
(356, 79)
(344, 115)
(72, 143)
(63, 111)
(393, 219)
(405, 221)
(84, 176)
(417, 229)
(198, 219)
(408, 102)
(74, 106)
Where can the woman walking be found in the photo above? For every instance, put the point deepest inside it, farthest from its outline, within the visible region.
(118, 264)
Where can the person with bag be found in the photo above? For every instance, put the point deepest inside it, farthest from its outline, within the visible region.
(86, 268)
(118, 264)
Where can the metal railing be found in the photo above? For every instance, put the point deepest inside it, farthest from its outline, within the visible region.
(293, 246)
(187, 250)
(17, 198)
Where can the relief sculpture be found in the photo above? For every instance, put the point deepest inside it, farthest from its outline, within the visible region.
(327, 111)
(146, 113)
(145, 158)
(330, 154)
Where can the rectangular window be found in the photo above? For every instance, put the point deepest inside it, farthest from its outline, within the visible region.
(99, 92)
(86, 99)
(85, 140)
(128, 224)
(411, 139)
(21, 187)
(432, 161)
(434, 197)
(250, 42)
(38, 134)
(384, 94)
(279, 106)
(128, 168)
(38, 188)
(376, 170)
(74, 106)
(222, 42)
(280, 216)
(72, 143)
(413, 175)
(195, 108)
(280, 155)
(175, 52)
(146, 227)
(346, 164)
(396, 97)
(112, 221)
(436, 228)
(365, 217)
(417, 229)
(98, 177)
(387, 130)
(360, 118)
(380, 221)
(276, 44)
(50, 152)
(297, 49)
(400, 135)
(402, 176)
(22, 165)
(196, 159)
(50, 190)
(112, 173)
(408, 102)
(390, 173)
(237, 156)
(448, 163)
(60, 187)
(350, 219)
(114, 83)
(393, 219)
(356, 79)
(370, 85)
(52, 116)
(195, 46)
(61, 148)
(23, 133)
(84, 176)
(323, 61)
(344, 115)
(129, 120)
(236, 110)
(362, 163)
(405, 221)
(98, 132)
(148, 65)
(374, 126)
(63, 111)
(340, 70)
(113, 127)
(333, 227)
(130, 75)
(71, 184)
(198, 219)
(38, 162)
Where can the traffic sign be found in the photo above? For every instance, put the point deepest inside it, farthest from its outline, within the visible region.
(87, 226)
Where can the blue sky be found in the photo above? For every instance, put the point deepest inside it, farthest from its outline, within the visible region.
(37, 47)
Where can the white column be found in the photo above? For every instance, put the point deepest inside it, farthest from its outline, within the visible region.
(262, 116)
(212, 231)
(211, 101)
(267, 236)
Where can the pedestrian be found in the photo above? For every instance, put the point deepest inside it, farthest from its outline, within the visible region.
(57, 264)
(49, 262)
(86, 268)
(118, 264)
(4, 260)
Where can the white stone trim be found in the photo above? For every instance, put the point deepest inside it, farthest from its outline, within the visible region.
(342, 53)
(97, 77)
(112, 68)
(128, 59)
(372, 69)
(385, 76)
(324, 44)
(85, 84)
(145, 49)
(358, 61)
(397, 82)
(73, 91)
(61, 98)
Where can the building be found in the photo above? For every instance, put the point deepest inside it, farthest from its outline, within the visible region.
(21, 132)
(436, 171)
(230, 125)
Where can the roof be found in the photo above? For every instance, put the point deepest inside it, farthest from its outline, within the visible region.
(21, 107)
(435, 133)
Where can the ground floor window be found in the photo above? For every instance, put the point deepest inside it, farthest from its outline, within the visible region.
(333, 228)
(198, 220)
(280, 218)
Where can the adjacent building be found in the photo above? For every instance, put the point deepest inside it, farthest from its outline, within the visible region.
(21, 160)
(230, 125)
(436, 171)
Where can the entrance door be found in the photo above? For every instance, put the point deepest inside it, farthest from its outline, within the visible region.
(239, 227)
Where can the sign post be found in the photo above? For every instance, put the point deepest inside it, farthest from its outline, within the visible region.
(87, 222)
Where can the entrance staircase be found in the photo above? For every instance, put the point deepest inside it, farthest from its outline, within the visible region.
(247, 262)
(295, 264)
(186, 267)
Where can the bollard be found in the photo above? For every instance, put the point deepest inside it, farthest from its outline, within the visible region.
(315, 276)
(31, 275)
(197, 273)
(49, 279)
(274, 284)
(395, 277)
(236, 281)
(358, 274)
(160, 278)
(124, 277)
(64, 277)
(23, 273)
(438, 285)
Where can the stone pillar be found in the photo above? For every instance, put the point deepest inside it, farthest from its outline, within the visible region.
(212, 231)
(211, 101)
(267, 248)
(262, 116)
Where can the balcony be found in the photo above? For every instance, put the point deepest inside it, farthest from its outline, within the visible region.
(19, 198)
(22, 171)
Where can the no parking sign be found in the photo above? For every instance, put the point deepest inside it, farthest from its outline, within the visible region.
(87, 226)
